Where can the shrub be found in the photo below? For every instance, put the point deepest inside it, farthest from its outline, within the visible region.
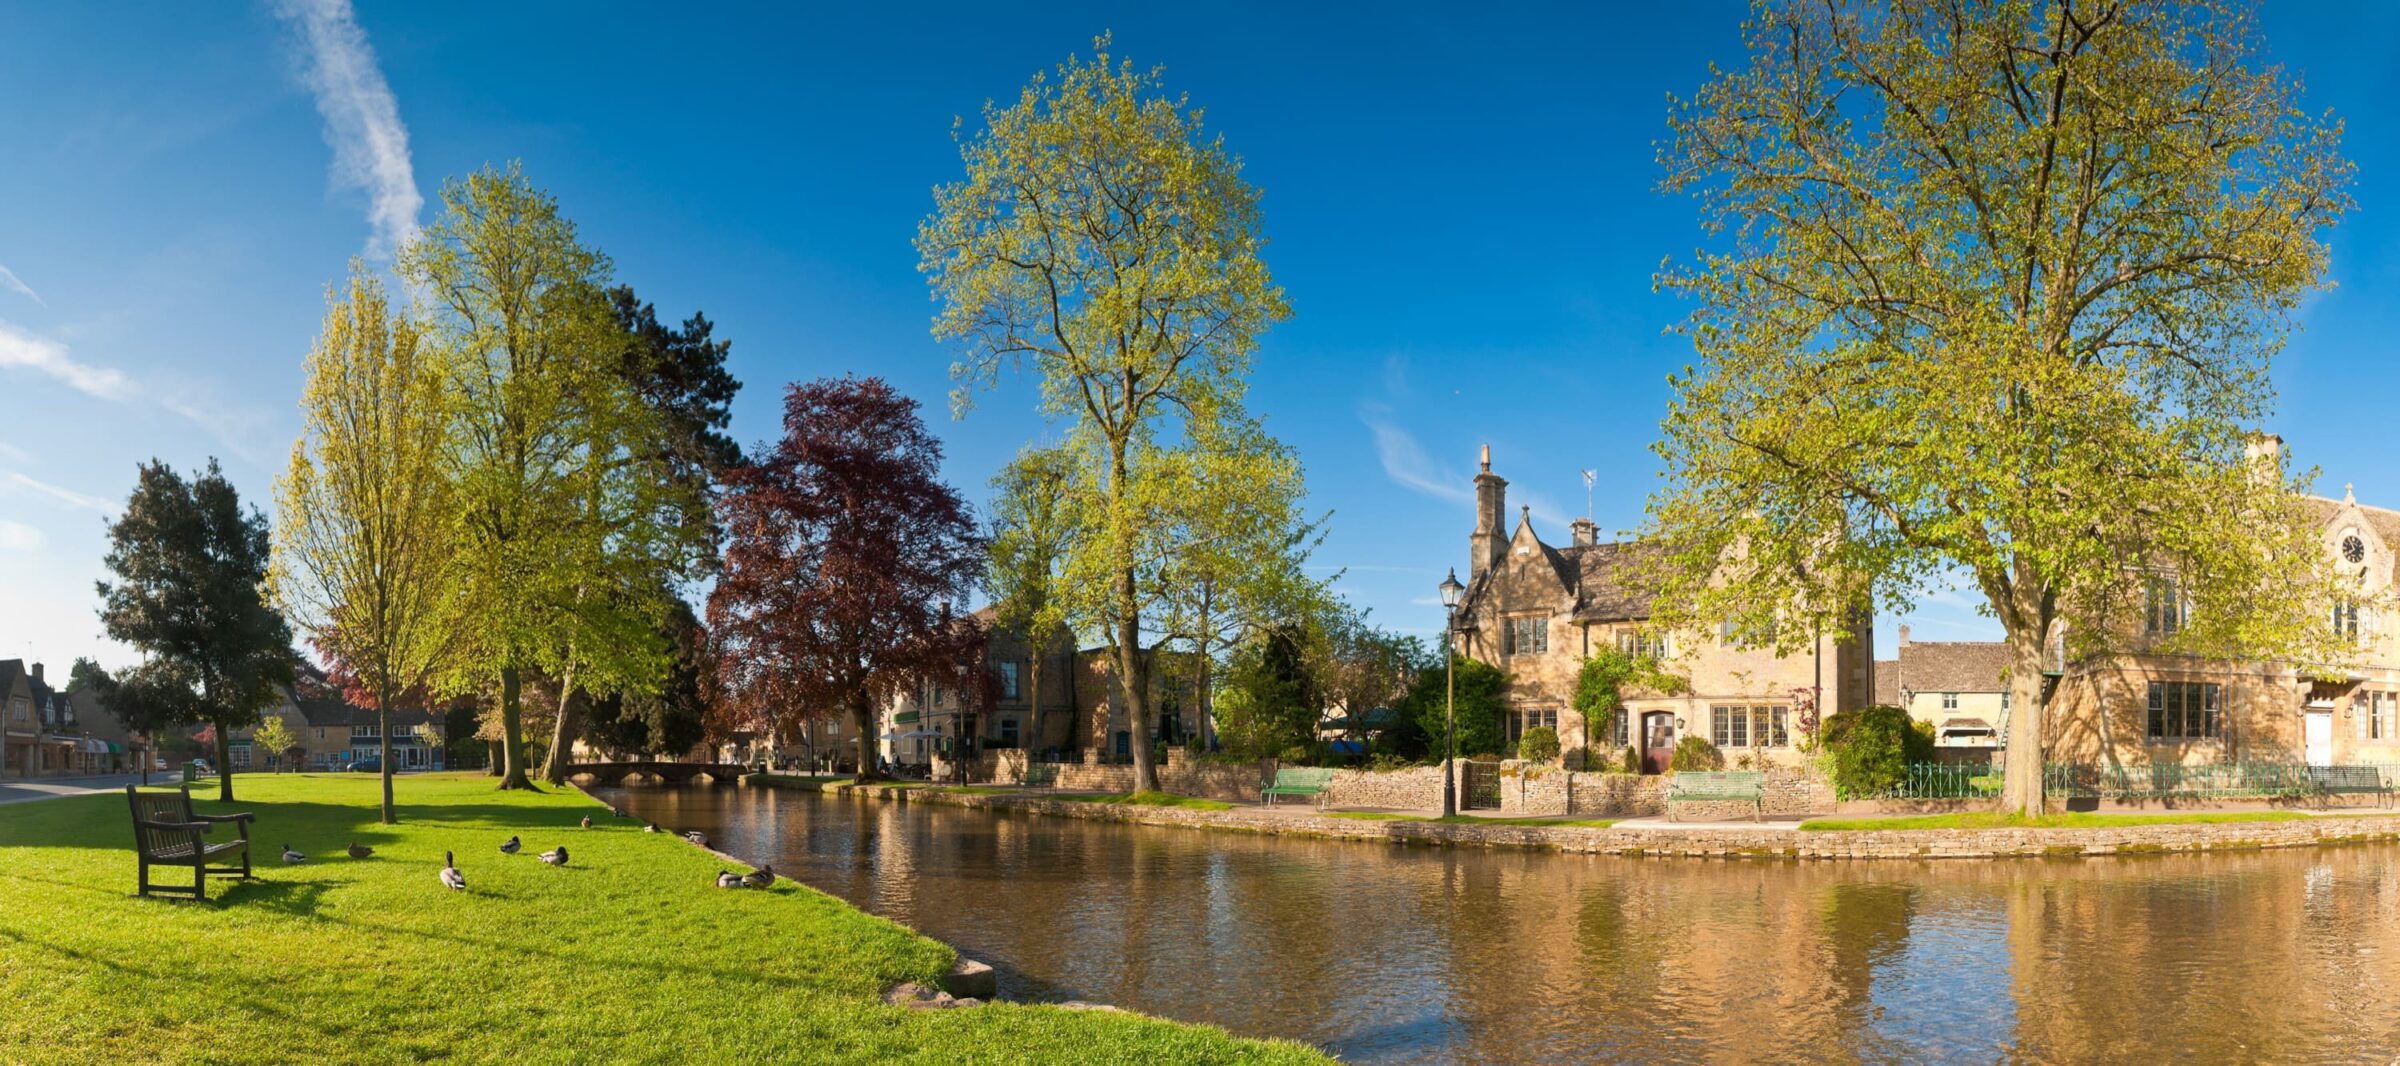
(1633, 761)
(1539, 744)
(1386, 762)
(1694, 752)
(1577, 759)
(1871, 748)
(1480, 707)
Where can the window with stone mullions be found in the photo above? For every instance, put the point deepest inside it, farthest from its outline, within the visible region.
(2163, 607)
(1528, 636)
(2184, 710)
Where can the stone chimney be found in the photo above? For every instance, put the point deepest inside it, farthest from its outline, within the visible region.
(1904, 636)
(2264, 454)
(1490, 541)
(1587, 532)
(37, 673)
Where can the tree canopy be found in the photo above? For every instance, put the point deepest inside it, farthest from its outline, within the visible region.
(1990, 293)
(846, 558)
(1101, 238)
(189, 592)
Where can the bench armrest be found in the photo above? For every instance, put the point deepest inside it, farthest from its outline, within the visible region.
(245, 816)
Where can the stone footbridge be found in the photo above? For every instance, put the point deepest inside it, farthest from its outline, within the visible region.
(673, 773)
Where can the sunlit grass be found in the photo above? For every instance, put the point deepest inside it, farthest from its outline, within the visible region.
(2069, 820)
(627, 954)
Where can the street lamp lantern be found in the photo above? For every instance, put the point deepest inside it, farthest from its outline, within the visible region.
(1451, 592)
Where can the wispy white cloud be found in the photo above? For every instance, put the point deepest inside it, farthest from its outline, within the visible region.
(14, 454)
(19, 537)
(19, 349)
(362, 118)
(1407, 464)
(13, 481)
(10, 281)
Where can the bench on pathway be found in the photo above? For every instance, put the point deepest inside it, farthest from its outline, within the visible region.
(1040, 775)
(1298, 781)
(1719, 786)
(166, 832)
(2349, 781)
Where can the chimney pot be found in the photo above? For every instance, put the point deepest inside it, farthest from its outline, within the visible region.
(1586, 531)
(37, 673)
(1904, 636)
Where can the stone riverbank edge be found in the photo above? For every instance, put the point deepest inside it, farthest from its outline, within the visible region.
(1700, 842)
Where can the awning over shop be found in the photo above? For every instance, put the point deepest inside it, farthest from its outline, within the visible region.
(904, 717)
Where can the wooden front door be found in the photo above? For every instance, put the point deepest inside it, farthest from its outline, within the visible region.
(1658, 741)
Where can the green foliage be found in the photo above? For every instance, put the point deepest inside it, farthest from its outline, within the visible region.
(1632, 763)
(1870, 748)
(272, 737)
(673, 719)
(1482, 707)
(1539, 744)
(1385, 762)
(1101, 239)
(1600, 684)
(1269, 701)
(190, 570)
(1694, 752)
(1993, 291)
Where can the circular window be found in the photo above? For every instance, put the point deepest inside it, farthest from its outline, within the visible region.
(2354, 549)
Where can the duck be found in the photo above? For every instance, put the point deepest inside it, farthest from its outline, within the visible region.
(760, 878)
(651, 828)
(696, 837)
(360, 851)
(587, 821)
(616, 810)
(729, 879)
(510, 848)
(556, 856)
(291, 856)
(451, 878)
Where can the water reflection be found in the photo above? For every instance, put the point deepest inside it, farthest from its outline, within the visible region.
(1411, 954)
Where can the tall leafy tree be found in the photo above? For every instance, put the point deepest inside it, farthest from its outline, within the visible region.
(367, 550)
(1101, 237)
(1992, 291)
(673, 719)
(845, 553)
(569, 515)
(680, 375)
(1033, 527)
(190, 566)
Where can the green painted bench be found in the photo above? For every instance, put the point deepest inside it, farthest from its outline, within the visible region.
(1298, 781)
(2348, 781)
(1719, 786)
(1040, 775)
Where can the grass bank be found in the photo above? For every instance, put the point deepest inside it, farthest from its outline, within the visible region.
(2070, 820)
(1469, 819)
(1148, 799)
(627, 954)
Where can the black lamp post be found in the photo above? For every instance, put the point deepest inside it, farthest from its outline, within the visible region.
(1451, 590)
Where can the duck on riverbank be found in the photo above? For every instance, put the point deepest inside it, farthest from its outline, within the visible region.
(452, 879)
(729, 879)
(556, 856)
(761, 877)
(360, 851)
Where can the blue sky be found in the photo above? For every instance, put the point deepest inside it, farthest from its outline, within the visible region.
(1459, 199)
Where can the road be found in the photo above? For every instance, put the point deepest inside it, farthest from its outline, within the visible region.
(20, 790)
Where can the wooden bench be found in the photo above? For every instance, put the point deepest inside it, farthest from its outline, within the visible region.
(1040, 775)
(1719, 786)
(2348, 781)
(166, 832)
(1298, 781)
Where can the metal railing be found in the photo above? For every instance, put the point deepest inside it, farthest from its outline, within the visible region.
(2237, 780)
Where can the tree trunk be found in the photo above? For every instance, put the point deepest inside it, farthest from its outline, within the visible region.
(2022, 785)
(224, 762)
(512, 726)
(562, 735)
(1033, 680)
(383, 720)
(862, 714)
(1200, 698)
(1134, 681)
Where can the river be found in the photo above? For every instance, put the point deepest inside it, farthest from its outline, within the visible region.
(1386, 954)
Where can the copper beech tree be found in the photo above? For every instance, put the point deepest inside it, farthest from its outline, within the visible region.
(845, 555)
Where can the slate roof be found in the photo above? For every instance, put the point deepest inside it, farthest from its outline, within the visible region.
(1952, 666)
(1886, 683)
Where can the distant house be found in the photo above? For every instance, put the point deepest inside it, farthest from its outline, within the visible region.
(49, 732)
(1958, 688)
(330, 734)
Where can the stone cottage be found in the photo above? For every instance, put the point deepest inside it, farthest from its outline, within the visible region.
(1538, 611)
(1958, 688)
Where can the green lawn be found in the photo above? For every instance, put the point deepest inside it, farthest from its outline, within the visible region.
(1150, 799)
(628, 954)
(1468, 819)
(2071, 820)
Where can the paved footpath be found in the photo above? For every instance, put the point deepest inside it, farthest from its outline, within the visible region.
(24, 790)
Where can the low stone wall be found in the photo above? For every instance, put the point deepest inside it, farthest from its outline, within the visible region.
(1550, 791)
(1736, 842)
(1417, 788)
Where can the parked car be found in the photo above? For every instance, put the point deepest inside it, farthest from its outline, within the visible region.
(372, 764)
(201, 766)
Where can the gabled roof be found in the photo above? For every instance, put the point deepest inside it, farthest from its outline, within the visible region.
(1886, 683)
(1953, 666)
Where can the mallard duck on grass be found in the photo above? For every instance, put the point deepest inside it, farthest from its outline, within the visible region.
(587, 821)
(556, 856)
(729, 879)
(360, 851)
(451, 878)
(652, 827)
(760, 878)
(293, 857)
(696, 837)
(510, 847)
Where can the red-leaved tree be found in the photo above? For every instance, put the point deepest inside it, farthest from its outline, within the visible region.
(845, 554)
